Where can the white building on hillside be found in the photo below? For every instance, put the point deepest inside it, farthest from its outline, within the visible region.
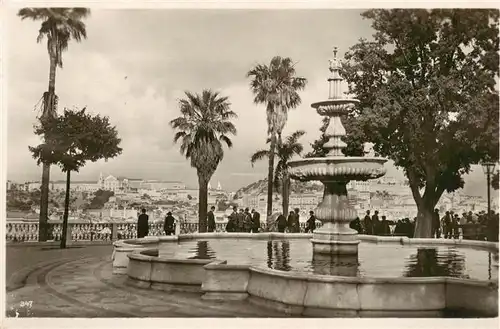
(111, 183)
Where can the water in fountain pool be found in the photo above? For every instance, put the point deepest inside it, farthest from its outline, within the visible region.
(374, 260)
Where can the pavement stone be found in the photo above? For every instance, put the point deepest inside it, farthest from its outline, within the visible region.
(80, 283)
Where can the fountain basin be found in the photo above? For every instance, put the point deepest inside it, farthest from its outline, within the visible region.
(337, 169)
(331, 107)
(320, 290)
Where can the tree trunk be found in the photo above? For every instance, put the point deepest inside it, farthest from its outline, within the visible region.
(44, 188)
(270, 176)
(66, 211)
(202, 204)
(423, 225)
(285, 192)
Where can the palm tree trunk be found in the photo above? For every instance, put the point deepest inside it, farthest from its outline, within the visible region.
(202, 203)
(66, 211)
(285, 192)
(270, 175)
(44, 188)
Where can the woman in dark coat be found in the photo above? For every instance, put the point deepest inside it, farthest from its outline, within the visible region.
(169, 225)
(281, 222)
(143, 224)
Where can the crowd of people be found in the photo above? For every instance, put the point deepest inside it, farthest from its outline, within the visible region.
(449, 226)
(240, 221)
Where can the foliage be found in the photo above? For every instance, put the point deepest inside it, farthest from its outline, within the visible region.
(355, 147)
(70, 141)
(202, 129)
(75, 138)
(275, 85)
(426, 83)
(24, 200)
(284, 152)
(494, 181)
(100, 198)
(59, 26)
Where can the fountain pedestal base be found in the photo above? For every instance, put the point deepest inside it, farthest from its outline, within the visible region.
(333, 241)
(335, 237)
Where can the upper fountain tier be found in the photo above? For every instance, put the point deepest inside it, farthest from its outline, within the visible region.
(336, 166)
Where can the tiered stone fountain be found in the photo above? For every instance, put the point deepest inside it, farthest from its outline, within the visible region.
(335, 237)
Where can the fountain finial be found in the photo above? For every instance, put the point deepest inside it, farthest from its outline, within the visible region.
(335, 79)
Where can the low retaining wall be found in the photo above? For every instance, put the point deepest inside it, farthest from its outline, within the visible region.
(317, 295)
(225, 282)
(123, 248)
(147, 270)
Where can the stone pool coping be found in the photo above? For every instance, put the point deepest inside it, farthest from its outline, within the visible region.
(296, 293)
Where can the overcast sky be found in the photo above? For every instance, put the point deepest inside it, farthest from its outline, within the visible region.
(136, 64)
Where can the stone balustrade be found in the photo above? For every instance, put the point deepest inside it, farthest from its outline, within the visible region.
(28, 232)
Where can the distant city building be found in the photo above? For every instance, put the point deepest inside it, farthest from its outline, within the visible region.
(159, 185)
(111, 183)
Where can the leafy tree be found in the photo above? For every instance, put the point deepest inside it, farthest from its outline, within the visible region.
(428, 99)
(59, 26)
(284, 152)
(204, 126)
(355, 147)
(277, 87)
(100, 198)
(73, 139)
(494, 181)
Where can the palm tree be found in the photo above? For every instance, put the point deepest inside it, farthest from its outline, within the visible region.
(203, 127)
(284, 152)
(277, 87)
(59, 26)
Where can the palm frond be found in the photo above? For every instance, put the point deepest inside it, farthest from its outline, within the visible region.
(226, 140)
(259, 155)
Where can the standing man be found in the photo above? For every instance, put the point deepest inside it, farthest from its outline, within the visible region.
(281, 222)
(296, 220)
(211, 220)
(255, 221)
(291, 222)
(240, 221)
(436, 231)
(311, 222)
(367, 223)
(143, 224)
(447, 225)
(384, 227)
(375, 223)
(247, 222)
(231, 223)
(169, 225)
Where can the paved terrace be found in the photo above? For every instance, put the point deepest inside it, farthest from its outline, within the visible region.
(44, 281)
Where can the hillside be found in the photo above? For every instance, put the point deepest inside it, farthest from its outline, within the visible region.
(260, 186)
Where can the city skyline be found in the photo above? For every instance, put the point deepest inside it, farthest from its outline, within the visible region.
(177, 51)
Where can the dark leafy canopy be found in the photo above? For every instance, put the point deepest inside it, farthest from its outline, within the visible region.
(59, 25)
(204, 125)
(494, 181)
(428, 96)
(75, 138)
(355, 146)
(284, 152)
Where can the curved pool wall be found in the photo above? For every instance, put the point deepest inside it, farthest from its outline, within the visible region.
(296, 293)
